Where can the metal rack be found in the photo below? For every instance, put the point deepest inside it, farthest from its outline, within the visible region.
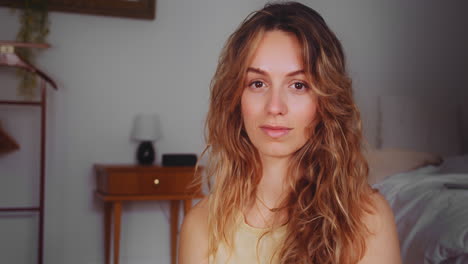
(9, 58)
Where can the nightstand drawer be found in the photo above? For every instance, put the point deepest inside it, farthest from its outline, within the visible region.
(165, 183)
(145, 180)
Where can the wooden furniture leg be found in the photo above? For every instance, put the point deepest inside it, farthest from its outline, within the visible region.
(174, 229)
(187, 206)
(107, 230)
(117, 216)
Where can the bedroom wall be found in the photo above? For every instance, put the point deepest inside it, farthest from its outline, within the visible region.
(110, 69)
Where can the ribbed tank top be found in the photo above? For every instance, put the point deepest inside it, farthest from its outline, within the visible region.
(245, 246)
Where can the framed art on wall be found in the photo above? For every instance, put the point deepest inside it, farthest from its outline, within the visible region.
(141, 9)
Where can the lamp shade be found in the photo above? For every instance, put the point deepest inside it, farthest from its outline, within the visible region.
(146, 127)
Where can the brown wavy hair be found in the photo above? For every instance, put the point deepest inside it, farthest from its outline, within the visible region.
(329, 194)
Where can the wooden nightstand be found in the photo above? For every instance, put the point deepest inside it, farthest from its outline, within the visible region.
(120, 183)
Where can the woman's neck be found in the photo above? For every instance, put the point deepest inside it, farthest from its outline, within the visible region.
(272, 188)
(271, 191)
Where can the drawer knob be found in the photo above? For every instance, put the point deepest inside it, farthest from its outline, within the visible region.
(156, 181)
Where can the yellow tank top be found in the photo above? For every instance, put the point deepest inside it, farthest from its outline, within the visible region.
(245, 246)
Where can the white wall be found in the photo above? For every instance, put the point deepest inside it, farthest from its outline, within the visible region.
(110, 69)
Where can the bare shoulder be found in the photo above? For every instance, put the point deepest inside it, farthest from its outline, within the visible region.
(199, 213)
(382, 245)
(193, 244)
(382, 215)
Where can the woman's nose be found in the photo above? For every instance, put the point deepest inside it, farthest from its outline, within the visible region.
(276, 103)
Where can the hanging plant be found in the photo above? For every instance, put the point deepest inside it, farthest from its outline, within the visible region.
(34, 27)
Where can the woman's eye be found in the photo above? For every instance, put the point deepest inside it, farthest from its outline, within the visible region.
(257, 84)
(300, 86)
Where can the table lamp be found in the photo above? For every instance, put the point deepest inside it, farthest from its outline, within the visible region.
(146, 130)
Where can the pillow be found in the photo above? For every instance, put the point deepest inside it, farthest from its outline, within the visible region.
(420, 123)
(383, 163)
(454, 164)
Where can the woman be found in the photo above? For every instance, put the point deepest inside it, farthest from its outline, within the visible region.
(284, 141)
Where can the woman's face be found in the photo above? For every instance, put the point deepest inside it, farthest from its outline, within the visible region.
(278, 105)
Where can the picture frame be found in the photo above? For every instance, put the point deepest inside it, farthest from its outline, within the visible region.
(138, 9)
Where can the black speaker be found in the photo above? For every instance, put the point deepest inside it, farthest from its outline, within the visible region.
(179, 160)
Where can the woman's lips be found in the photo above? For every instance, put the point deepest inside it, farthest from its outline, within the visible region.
(276, 131)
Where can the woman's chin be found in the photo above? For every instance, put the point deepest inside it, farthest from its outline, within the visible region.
(277, 151)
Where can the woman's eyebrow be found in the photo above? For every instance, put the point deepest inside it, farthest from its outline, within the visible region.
(262, 72)
(256, 70)
(295, 73)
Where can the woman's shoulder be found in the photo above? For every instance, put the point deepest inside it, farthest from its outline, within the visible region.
(197, 218)
(193, 245)
(381, 213)
(199, 210)
(382, 243)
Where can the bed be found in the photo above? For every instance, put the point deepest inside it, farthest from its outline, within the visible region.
(425, 184)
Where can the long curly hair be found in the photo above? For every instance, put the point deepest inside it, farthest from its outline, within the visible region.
(327, 176)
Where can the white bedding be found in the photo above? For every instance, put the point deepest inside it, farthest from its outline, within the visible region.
(432, 220)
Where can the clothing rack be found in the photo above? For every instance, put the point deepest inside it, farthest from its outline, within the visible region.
(8, 57)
